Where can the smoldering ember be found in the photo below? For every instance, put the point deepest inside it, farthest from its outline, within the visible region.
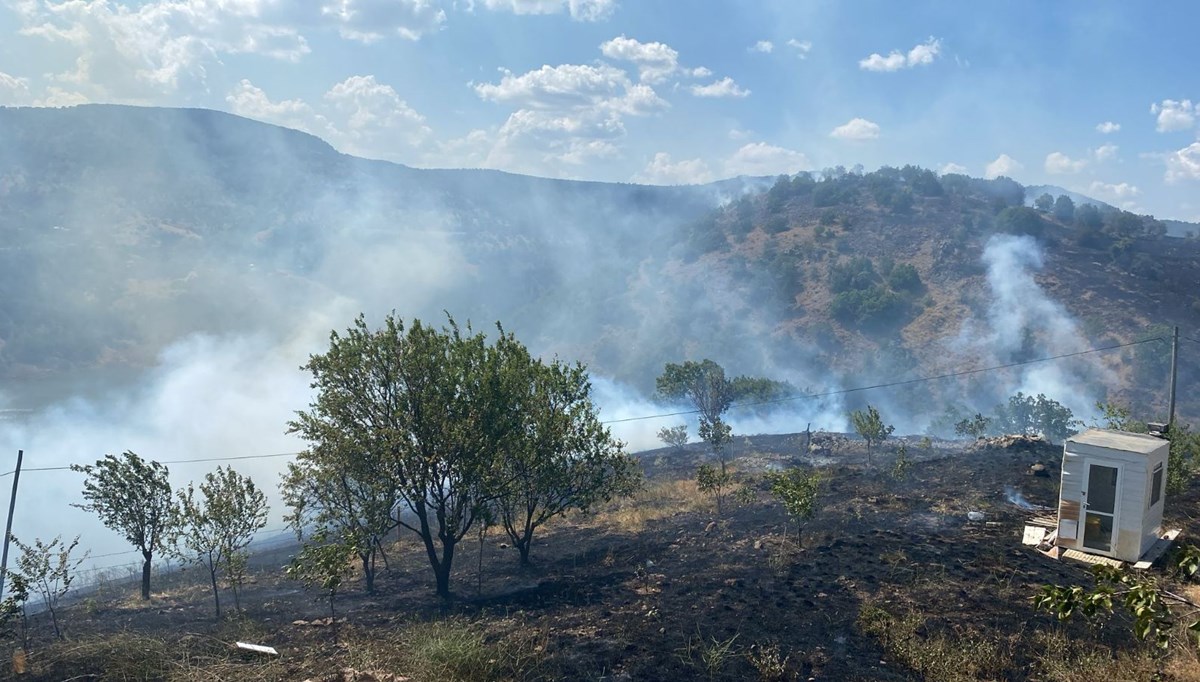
(364, 383)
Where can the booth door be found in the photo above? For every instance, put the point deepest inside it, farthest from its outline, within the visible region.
(1100, 504)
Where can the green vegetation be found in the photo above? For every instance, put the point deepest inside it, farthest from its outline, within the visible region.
(675, 436)
(870, 427)
(797, 490)
(47, 569)
(132, 497)
(214, 531)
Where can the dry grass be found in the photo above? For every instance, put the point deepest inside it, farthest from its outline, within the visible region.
(657, 501)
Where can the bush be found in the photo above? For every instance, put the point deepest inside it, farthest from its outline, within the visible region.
(873, 307)
(854, 275)
(904, 277)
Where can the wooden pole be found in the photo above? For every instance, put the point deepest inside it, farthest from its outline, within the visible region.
(1174, 377)
(12, 506)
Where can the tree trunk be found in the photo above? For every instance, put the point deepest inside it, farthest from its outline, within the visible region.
(212, 574)
(237, 602)
(333, 617)
(442, 570)
(54, 621)
(146, 556)
(368, 571)
(800, 537)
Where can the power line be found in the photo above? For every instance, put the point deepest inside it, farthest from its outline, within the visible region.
(176, 461)
(904, 382)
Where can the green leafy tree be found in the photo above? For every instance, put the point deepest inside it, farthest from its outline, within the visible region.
(13, 606)
(132, 497)
(1064, 209)
(336, 488)
(323, 565)
(215, 526)
(1044, 203)
(869, 425)
(797, 490)
(47, 568)
(715, 481)
(562, 458)
(675, 436)
(436, 409)
(1034, 415)
(976, 427)
(703, 384)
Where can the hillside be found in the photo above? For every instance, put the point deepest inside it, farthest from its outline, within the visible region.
(126, 229)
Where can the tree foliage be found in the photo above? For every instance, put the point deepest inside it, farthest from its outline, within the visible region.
(675, 436)
(703, 384)
(132, 497)
(870, 426)
(797, 490)
(323, 565)
(562, 457)
(1032, 416)
(48, 569)
(213, 528)
(975, 427)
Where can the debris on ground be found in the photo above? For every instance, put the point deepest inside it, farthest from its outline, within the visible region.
(352, 675)
(258, 648)
(1015, 441)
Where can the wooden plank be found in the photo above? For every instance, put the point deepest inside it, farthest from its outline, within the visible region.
(1033, 536)
(1157, 550)
(1044, 521)
(1092, 558)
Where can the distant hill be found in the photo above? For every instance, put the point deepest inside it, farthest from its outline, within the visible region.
(125, 229)
(1175, 228)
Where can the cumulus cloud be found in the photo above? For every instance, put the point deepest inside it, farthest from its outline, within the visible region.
(1058, 163)
(725, 87)
(920, 55)
(655, 61)
(370, 20)
(1003, 165)
(1108, 128)
(663, 171)
(565, 114)
(764, 46)
(580, 10)
(1105, 152)
(856, 129)
(760, 158)
(133, 51)
(700, 72)
(954, 168)
(1184, 164)
(1174, 115)
(358, 115)
(802, 47)
(1118, 191)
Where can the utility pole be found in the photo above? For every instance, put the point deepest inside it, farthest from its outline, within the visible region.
(12, 506)
(1174, 375)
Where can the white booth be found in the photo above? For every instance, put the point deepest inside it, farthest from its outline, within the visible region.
(1111, 496)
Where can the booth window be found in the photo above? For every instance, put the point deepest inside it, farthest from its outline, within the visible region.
(1156, 489)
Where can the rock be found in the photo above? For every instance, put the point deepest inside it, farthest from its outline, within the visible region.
(1039, 469)
(710, 526)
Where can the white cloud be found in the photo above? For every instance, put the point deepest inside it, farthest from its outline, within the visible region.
(13, 90)
(1184, 164)
(566, 114)
(740, 134)
(760, 158)
(358, 115)
(1105, 152)
(370, 20)
(802, 47)
(1174, 115)
(764, 46)
(1058, 163)
(133, 51)
(920, 55)
(954, 168)
(856, 129)
(655, 61)
(1108, 127)
(580, 10)
(722, 88)
(1120, 191)
(700, 72)
(1004, 165)
(662, 171)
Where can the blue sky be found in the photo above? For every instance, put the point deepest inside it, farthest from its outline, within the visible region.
(1098, 97)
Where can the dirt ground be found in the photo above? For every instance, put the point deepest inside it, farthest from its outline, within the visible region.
(656, 588)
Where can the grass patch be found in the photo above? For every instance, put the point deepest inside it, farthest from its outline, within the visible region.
(654, 502)
(936, 657)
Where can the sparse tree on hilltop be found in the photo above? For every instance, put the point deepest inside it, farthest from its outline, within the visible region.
(870, 426)
(675, 436)
(1044, 203)
(132, 497)
(215, 530)
(976, 427)
(563, 458)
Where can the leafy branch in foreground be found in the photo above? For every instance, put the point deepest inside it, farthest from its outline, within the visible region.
(1157, 612)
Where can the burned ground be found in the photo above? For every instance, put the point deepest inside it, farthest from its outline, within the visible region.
(893, 582)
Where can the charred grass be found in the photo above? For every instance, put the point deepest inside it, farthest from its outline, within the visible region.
(891, 582)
